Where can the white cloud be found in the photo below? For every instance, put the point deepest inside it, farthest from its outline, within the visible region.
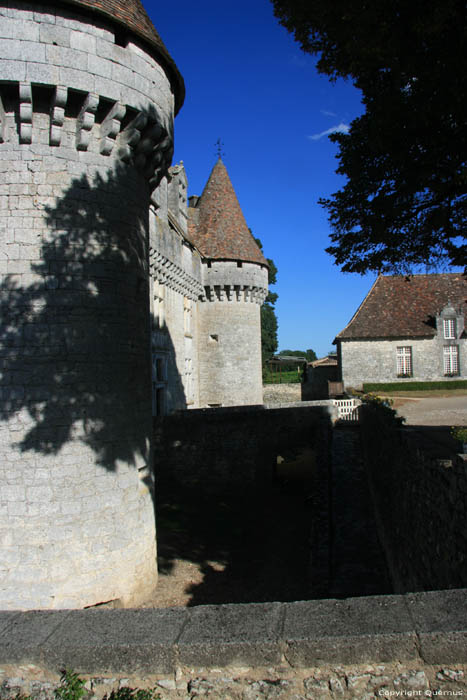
(327, 114)
(338, 129)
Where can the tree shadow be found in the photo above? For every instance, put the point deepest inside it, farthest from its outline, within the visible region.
(249, 545)
(236, 505)
(75, 335)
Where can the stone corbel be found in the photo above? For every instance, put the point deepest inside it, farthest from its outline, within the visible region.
(131, 136)
(25, 113)
(160, 162)
(110, 128)
(85, 122)
(57, 115)
(149, 140)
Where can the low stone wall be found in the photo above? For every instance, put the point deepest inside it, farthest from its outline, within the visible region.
(274, 394)
(216, 449)
(419, 487)
(383, 646)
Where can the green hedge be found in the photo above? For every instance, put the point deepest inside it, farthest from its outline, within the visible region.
(284, 377)
(416, 386)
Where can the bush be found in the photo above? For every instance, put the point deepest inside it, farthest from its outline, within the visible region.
(459, 433)
(416, 386)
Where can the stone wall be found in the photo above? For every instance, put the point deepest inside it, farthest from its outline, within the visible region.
(359, 648)
(216, 449)
(229, 352)
(274, 394)
(375, 360)
(419, 487)
(76, 405)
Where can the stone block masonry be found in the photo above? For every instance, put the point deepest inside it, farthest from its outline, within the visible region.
(85, 130)
(237, 446)
(358, 648)
(419, 487)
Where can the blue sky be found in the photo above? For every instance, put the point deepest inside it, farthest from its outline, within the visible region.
(249, 84)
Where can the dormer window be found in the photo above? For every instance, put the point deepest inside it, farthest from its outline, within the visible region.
(449, 325)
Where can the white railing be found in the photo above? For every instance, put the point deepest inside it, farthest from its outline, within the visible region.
(347, 409)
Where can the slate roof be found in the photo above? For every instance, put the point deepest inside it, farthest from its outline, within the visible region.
(217, 226)
(400, 307)
(132, 16)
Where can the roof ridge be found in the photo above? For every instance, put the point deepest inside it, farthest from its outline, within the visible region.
(401, 306)
(362, 303)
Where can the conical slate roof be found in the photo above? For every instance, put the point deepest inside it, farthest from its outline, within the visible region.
(132, 16)
(217, 226)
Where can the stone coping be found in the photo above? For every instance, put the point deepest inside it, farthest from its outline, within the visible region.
(431, 627)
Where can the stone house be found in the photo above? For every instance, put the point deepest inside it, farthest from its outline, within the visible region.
(407, 329)
(320, 374)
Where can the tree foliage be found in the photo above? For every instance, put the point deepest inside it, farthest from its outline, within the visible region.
(309, 354)
(404, 203)
(269, 323)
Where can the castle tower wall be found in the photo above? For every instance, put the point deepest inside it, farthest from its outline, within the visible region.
(85, 137)
(230, 333)
(176, 287)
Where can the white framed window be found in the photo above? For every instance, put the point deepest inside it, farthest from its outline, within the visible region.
(404, 361)
(158, 305)
(189, 380)
(159, 384)
(449, 326)
(451, 360)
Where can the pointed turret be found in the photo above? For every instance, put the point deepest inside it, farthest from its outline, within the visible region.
(235, 280)
(217, 225)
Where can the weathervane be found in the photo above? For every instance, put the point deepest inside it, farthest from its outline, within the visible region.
(219, 145)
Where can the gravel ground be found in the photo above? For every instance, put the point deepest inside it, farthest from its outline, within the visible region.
(436, 410)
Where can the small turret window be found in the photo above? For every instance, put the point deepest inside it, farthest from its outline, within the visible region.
(449, 325)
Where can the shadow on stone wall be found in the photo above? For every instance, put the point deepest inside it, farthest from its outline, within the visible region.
(75, 332)
(241, 526)
(419, 487)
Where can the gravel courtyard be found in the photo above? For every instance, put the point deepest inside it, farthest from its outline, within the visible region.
(435, 410)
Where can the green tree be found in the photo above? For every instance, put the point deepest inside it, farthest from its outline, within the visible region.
(404, 202)
(308, 355)
(269, 323)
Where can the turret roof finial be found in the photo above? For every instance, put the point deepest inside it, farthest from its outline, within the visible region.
(219, 146)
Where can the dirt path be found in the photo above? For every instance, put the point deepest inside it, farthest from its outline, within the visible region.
(237, 548)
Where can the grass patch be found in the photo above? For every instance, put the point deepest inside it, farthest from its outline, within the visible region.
(284, 377)
(415, 386)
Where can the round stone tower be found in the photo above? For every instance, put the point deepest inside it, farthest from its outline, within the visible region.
(235, 280)
(87, 98)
